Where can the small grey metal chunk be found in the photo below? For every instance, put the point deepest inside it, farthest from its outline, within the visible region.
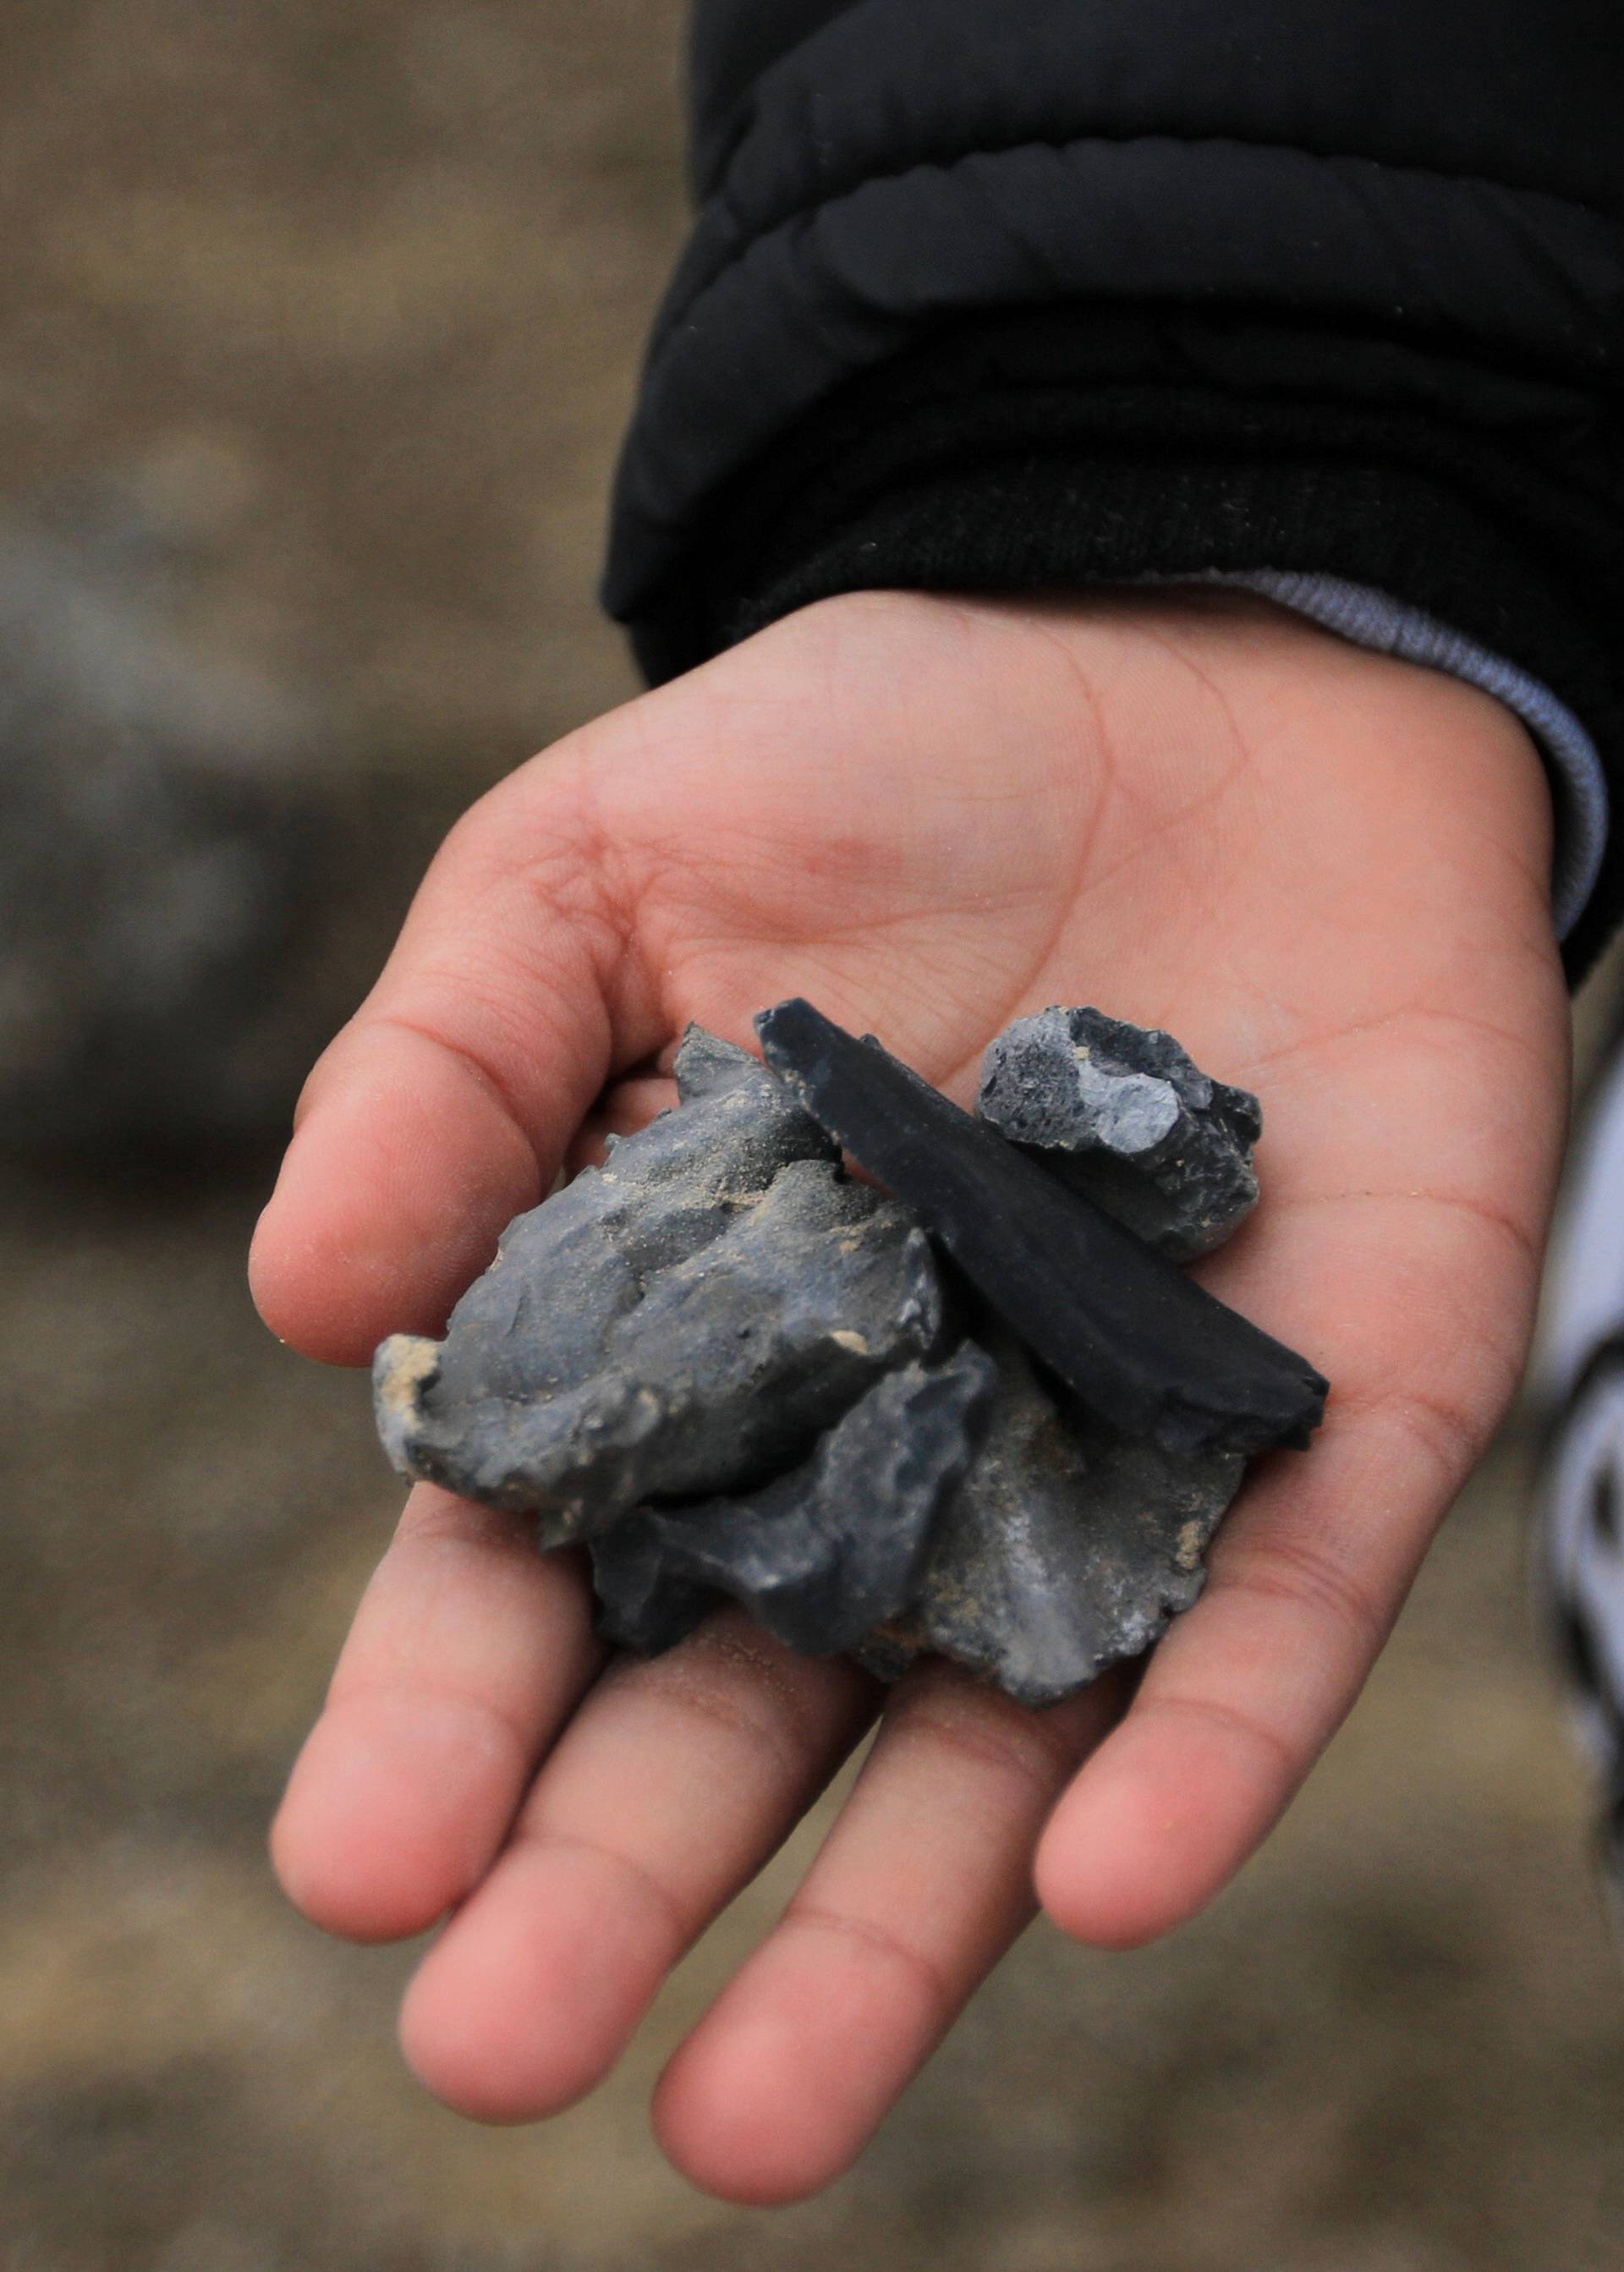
(1066, 1549)
(819, 1555)
(736, 1373)
(679, 1329)
(538, 1320)
(165, 811)
(1125, 1116)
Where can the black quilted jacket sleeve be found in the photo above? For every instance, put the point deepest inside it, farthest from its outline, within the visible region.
(1003, 294)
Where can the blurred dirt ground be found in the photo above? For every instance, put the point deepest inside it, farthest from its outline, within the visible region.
(355, 295)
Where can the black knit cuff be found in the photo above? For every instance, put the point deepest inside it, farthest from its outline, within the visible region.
(983, 467)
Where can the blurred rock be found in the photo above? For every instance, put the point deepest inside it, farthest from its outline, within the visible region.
(163, 828)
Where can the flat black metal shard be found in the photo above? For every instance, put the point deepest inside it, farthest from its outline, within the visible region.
(820, 1555)
(1125, 1329)
(1066, 1549)
(1128, 1117)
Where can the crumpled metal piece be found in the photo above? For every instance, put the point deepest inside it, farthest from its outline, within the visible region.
(819, 1555)
(1128, 1117)
(980, 1419)
(686, 1319)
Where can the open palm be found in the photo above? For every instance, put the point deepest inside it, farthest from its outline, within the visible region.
(1324, 872)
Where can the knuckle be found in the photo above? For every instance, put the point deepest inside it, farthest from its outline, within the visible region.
(880, 1943)
(737, 1686)
(979, 1729)
(1236, 1727)
(673, 1916)
(1306, 1576)
(1440, 1431)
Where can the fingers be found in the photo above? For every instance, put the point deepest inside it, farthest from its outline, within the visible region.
(921, 1887)
(1234, 1708)
(674, 1782)
(468, 1652)
(1307, 1573)
(447, 1104)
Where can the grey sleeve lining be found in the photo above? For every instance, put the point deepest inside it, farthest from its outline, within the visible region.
(1372, 619)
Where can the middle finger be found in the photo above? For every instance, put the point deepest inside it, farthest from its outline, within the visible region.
(920, 1887)
(674, 1782)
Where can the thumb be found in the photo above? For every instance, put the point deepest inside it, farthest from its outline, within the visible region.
(446, 1106)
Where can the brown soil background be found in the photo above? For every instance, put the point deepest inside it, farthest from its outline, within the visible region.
(354, 295)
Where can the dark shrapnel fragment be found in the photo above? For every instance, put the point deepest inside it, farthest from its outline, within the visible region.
(820, 1555)
(1126, 1330)
(738, 1374)
(685, 1319)
(1127, 1116)
(1066, 1549)
(643, 1603)
(168, 835)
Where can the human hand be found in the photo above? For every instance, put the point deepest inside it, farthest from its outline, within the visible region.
(1325, 872)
